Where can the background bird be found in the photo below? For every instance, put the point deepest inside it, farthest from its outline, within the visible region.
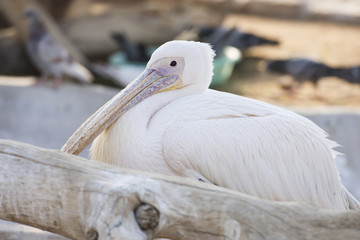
(124, 66)
(235, 38)
(48, 55)
(119, 75)
(351, 74)
(220, 37)
(302, 69)
(135, 52)
(167, 121)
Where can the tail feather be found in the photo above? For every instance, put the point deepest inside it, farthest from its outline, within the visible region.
(353, 203)
(79, 72)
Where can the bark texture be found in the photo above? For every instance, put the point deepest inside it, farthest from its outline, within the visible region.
(84, 199)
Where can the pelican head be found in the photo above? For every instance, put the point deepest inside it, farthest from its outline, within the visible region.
(194, 58)
(184, 66)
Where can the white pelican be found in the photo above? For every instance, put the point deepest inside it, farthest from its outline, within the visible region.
(167, 121)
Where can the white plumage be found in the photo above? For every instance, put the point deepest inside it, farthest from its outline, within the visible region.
(186, 129)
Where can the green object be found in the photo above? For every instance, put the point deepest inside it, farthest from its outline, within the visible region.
(223, 64)
(119, 59)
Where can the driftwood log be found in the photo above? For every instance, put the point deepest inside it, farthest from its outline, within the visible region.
(84, 199)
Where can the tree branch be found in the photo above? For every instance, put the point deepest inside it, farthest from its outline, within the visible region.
(83, 199)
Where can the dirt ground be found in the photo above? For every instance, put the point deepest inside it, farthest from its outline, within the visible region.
(330, 43)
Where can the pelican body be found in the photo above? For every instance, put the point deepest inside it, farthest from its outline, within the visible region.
(167, 121)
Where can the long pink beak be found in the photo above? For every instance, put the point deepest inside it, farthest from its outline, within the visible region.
(147, 84)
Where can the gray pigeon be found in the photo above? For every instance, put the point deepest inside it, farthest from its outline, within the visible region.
(302, 69)
(48, 55)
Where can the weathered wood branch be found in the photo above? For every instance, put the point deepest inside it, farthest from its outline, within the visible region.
(83, 199)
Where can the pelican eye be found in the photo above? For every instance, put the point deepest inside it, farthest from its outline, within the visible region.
(173, 63)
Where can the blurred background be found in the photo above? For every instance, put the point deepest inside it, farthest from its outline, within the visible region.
(60, 60)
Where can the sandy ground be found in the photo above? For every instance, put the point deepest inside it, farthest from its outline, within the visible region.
(333, 44)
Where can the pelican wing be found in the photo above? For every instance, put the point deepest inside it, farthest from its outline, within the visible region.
(252, 147)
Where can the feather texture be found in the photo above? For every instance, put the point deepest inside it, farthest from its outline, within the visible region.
(48, 55)
(228, 140)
